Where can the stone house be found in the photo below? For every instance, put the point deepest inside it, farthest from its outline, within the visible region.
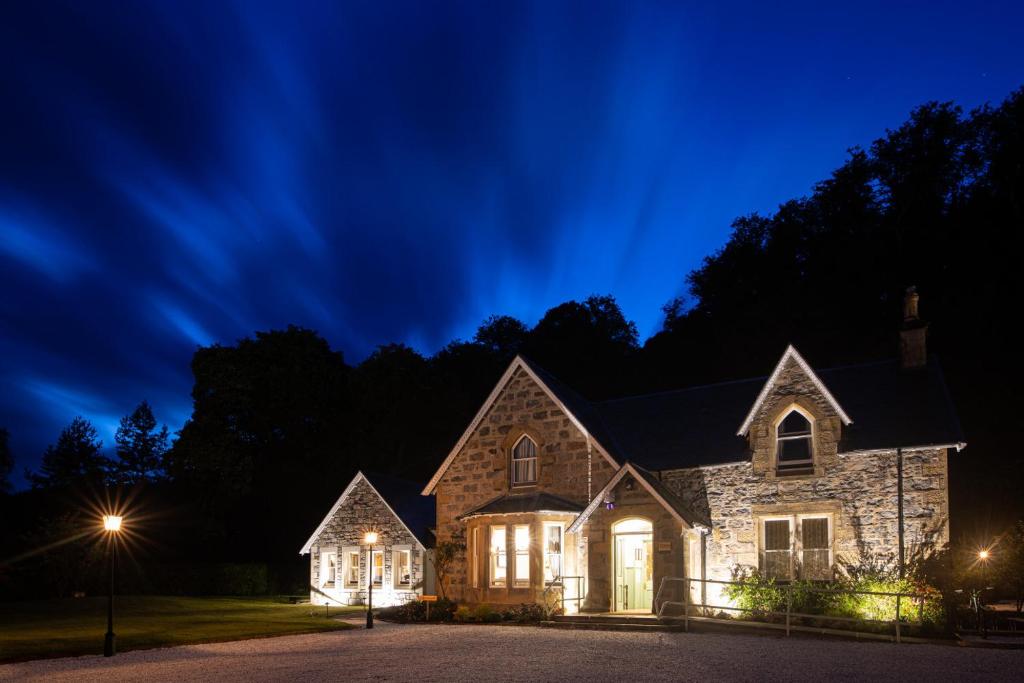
(790, 474)
(343, 565)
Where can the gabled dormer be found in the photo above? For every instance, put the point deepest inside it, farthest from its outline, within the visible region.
(794, 427)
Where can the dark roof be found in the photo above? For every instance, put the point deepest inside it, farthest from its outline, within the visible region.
(416, 511)
(670, 497)
(889, 407)
(525, 502)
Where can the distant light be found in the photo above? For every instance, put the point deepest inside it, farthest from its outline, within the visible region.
(112, 522)
(982, 554)
(371, 537)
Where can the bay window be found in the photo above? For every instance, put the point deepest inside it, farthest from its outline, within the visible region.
(552, 552)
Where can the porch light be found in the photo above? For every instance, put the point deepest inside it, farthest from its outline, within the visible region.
(112, 522)
(983, 555)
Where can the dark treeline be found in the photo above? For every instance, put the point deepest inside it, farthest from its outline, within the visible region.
(281, 421)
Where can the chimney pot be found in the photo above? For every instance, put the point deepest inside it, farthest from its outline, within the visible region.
(913, 333)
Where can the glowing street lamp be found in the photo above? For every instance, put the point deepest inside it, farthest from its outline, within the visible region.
(112, 525)
(983, 556)
(370, 538)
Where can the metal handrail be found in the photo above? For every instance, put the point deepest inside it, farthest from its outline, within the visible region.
(789, 613)
(560, 582)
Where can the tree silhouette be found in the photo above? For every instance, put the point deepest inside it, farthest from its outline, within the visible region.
(140, 446)
(6, 461)
(75, 459)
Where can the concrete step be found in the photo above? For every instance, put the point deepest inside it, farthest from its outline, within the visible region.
(611, 626)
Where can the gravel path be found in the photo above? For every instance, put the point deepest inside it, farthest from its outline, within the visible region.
(474, 653)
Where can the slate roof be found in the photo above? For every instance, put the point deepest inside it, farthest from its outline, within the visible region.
(525, 502)
(416, 511)
(889, 407)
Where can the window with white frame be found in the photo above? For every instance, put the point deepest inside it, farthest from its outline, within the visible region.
(524, 462)
(328, 568)
(794, 443)
(474, 568)
(499, 563)
(797, 546)
(552, 552)
(377, 567)
(351, 567)
(401, 567)
(522, 547)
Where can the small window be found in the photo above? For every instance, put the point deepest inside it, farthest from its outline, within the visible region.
(329, 566)
(522, 539)
(524, 462)
(815, 550)
(499, 565)
(352, 568)
(795, 443)
(777, 562)
(377, 566)
(552, 552)
(401, 567)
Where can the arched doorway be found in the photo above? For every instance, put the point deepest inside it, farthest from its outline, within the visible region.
(633, 565)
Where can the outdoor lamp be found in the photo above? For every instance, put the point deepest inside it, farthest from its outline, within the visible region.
(112, 525)
(982, 554)
(370, 538)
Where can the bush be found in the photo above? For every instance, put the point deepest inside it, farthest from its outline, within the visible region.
(526, 613)
(416, 611)
(756, 594)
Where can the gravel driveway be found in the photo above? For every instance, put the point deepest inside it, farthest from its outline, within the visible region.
(446, 653)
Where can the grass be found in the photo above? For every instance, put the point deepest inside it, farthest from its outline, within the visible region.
(64, 628)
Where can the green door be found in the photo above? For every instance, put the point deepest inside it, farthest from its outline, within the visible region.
(634, 580)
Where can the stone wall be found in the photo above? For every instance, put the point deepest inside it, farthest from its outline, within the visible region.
(480, 471)
(860, 489)
(362, 511)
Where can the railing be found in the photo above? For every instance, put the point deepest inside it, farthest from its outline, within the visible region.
(789, 614)
(559, 582)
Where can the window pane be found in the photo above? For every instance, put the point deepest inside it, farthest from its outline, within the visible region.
(794, 450)
(522, 545)
(524, 461)
(815, 559)
(794, 423)
(378, 567)
(776, 534)
(777, 564)
(353, 568)
(498, 564)
(815, 533)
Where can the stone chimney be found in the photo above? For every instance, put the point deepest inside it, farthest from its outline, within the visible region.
(913, 350)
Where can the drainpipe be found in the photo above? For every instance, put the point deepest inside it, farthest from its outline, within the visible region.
(899, 508)
(590, 457)
(704, 566)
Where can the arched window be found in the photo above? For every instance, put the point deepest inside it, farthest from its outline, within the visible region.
(524, 462)
(795, 442)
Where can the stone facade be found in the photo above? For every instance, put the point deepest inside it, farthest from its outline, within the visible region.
(567, 465)
(364, 510)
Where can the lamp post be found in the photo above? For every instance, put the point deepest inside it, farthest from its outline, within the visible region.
(112, 525)
(983, 556)
(371, 538)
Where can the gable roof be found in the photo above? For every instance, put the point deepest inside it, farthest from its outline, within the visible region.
(576, 408)
(654, 486)
(401, 497)
(791, 354)
(695, 427)
(524, 502)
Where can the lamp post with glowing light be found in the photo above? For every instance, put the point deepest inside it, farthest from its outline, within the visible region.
(371, 538)
(983, 556)
(112, 525)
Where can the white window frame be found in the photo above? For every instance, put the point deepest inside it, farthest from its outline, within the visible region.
(525, 462)
(326, 553)
(796, 549)
(347, 553)
(518, 552)
(497, 556)
(797, 465)
(561, 551)
(396, 552)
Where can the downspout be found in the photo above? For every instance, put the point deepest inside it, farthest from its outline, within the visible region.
(899, 508)
(590, 457)
(704, 567)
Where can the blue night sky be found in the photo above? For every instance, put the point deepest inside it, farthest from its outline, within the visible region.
(178, 174)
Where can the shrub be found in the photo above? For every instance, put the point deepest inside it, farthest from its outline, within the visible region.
(463, 614)
(486, 613)
(756, 594)
(526, 613)
(416, 611)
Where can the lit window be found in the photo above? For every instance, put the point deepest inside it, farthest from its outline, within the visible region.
(522, 539)
(524, 462)
(352, 568)
(402, 568)
(475, 561)
(794, 449)
(377, 565)
(329, 564)
(499, 565)
(777, 560)
(552, 552)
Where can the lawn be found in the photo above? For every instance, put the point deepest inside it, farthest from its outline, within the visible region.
(61, 628)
